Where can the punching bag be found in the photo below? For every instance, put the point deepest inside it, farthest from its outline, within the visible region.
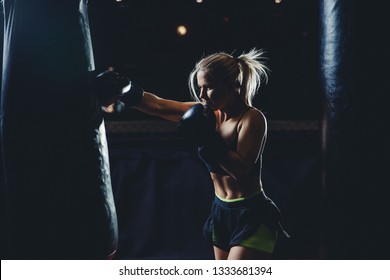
(55, 166)
(356, 142)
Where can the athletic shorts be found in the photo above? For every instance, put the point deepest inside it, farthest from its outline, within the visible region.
(249, 222)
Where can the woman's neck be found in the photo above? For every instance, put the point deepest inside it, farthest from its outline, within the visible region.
(234, 109)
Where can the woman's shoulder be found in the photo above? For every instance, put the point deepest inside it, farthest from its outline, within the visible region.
(254, 116)
(254, 113)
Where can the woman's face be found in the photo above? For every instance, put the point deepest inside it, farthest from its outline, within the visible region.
(215, 94)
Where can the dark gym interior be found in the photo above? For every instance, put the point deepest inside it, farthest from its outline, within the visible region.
(326, 155)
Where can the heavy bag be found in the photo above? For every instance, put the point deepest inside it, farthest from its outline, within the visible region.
(56, 173)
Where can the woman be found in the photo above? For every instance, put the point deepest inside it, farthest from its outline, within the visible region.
(231, 135)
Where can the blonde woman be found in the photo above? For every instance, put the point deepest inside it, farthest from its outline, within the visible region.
(230, 134)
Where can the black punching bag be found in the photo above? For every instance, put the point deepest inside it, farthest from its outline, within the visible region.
(54, 152)
(356, 143)
(340, 169)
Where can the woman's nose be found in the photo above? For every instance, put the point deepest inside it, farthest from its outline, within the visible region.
(202, 94)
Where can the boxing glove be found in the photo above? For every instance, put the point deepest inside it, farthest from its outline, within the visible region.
(197, 125)
(112, 87)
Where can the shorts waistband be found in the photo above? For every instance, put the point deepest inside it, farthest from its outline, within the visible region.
(254, 199)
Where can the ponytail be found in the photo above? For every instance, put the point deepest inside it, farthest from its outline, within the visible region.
(253, 73)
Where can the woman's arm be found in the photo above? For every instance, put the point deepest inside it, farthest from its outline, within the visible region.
(171, 110)
(111, 86)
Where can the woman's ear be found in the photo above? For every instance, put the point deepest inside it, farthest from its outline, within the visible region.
(237, 87)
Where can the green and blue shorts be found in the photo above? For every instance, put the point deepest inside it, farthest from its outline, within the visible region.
(250, 222)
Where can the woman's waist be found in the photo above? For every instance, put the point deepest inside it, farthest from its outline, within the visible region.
(255, 199)
(228, 188)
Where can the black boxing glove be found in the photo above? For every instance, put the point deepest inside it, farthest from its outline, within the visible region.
(112, 86)
(197, 125)
(213, 150)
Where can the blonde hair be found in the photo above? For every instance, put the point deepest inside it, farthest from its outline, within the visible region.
(245, 72)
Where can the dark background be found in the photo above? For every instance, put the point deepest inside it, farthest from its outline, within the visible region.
(325, 163)
(162, 190)
(139, 38)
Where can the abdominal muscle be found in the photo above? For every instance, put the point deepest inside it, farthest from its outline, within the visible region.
(226, 187)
